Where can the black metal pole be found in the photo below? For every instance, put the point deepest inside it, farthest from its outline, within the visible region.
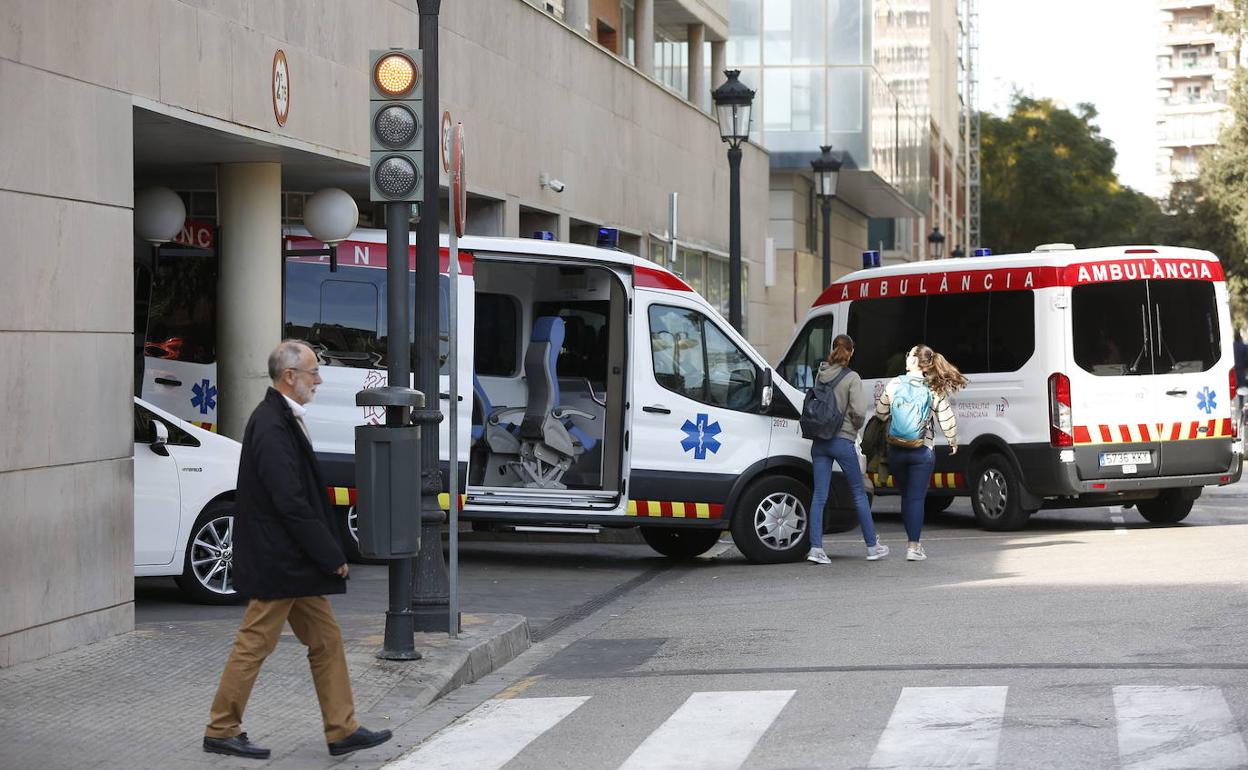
(431, 602)
(398, 643)
(734, 238)
(825, 206)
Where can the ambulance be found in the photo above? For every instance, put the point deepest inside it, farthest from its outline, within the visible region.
(1097, 376)
(598, 389)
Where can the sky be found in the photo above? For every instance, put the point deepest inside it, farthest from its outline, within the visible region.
(1098, 51)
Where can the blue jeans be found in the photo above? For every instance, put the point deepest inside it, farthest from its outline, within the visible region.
(912, 468)
(845, 453)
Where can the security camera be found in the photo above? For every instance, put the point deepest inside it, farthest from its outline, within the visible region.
(554, 184)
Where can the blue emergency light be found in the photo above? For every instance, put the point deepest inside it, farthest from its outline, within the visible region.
(983, 252)
(870, 259)
(608, 237)
(543, 235)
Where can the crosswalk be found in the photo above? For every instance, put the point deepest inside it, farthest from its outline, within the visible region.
(1158, 728)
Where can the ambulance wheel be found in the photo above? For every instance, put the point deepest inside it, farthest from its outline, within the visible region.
(350, 538)
(1166, 508)
(680, 543)
(935, 505)
(208, 570)
(996, 495)
(770, 523)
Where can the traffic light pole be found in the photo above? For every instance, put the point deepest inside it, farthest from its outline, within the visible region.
(432, 595)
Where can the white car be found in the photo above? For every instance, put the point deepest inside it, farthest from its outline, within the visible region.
(184, 481)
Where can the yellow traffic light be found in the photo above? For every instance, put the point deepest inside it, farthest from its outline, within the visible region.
(395, 74)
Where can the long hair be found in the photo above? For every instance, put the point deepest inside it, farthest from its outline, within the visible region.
(842, 349)
(942, 377)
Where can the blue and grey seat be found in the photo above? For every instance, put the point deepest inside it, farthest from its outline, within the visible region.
(549, 441)
(497, 441)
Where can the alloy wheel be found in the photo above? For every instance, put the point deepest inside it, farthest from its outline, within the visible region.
(212, 555)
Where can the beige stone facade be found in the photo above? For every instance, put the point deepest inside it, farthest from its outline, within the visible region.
(103, 97)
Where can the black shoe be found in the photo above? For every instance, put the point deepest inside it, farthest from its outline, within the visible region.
(238, 746)
(362, 738)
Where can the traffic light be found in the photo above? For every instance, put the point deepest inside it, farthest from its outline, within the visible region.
(396, 93)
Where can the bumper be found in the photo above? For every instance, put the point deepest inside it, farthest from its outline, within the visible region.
(1045, 474)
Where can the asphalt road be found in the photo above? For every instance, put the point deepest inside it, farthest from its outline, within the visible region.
(1090, 640)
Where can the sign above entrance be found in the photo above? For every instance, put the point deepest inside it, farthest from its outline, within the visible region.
(281, 87)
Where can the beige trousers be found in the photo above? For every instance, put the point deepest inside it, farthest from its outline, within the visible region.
(312, 620)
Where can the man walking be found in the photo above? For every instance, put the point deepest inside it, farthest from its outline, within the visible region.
(287, 557)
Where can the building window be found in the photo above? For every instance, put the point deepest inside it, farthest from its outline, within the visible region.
(629, 23)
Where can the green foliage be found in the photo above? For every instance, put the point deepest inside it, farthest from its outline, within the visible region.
(1048, 176)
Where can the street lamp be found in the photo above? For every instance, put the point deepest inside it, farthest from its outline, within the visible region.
(957, 253)
(330, 215)
(827, 169)
(935, 243)
(733, 100)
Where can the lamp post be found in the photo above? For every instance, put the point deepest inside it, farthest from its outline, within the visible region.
(827, 169)
(733, 100)
(957, 253)
(935, 243)
(330, 216)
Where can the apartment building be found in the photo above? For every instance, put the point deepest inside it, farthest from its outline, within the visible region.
(1195, 64)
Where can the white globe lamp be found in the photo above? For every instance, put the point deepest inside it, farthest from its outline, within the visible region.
(330, 215)
(159, 214)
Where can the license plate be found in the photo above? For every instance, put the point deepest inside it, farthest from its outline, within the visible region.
(1110, 459)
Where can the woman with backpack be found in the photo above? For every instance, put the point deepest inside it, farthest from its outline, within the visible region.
(835, 409)
(914, 403)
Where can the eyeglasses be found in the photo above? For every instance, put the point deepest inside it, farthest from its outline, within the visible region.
(314, 372)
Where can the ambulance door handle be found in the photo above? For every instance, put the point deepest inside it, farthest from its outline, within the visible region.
(656, 409)
(169, 382)
(1176, 392)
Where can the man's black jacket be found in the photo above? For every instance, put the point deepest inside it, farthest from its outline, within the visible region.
(285, 537)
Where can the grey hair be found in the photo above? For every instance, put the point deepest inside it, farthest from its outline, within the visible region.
(285, 356)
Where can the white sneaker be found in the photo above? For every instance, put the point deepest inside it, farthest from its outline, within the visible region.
(877, 551)
(817, 556)
(915, 553)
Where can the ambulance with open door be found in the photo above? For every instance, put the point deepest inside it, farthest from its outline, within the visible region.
(1097, 376)
(598, 389)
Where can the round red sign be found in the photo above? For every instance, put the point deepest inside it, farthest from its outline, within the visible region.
(459, 185)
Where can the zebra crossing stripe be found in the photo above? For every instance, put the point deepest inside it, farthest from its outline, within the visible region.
(490, 736)
(943, 727)
(1177, 727)
(710, 731)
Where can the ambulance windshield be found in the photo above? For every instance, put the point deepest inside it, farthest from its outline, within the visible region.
(1145, 327)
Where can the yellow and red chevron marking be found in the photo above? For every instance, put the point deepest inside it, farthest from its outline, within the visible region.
(444, 501)
(1138, 433)
(938, 481)
(674, 510)
(205, 425)
(342, 495)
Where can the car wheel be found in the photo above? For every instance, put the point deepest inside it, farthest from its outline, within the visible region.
(680, 542)
(1166, 508)
(770, 522)
(935, 505)
(995, 495)
(350, 536)
(208, 570)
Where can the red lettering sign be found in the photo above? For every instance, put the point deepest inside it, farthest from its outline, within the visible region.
(369, 254)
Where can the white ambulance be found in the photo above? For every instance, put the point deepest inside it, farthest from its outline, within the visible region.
(598, 389)
(1097, 376)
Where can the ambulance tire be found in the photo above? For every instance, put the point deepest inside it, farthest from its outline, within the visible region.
(349, 539)
(760, 512)
(680, 542)
(1166, 508)
(215, 524)
(996, 495)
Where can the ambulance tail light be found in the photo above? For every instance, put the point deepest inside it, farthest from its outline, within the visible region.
(1060, 429)
(1234, 402)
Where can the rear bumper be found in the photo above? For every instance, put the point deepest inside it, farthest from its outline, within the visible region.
(1046, 475)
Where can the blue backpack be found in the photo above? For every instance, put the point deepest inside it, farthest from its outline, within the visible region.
(911, 408)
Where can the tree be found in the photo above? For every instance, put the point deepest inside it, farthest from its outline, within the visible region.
(1048, 176)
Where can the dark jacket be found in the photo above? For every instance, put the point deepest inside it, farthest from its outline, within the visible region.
(286, 541)
(874, 446)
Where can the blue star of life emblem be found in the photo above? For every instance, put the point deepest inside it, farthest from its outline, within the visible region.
(700, 437)
(205, 397)
(1207, 400)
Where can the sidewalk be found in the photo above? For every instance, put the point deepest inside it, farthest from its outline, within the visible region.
(141, 700)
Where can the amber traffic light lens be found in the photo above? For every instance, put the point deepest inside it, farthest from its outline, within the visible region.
(395, 74)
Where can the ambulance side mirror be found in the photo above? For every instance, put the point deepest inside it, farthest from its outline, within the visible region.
(160, 439)
(768, 390)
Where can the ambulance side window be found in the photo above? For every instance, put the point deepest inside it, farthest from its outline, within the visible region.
(496, 339)
(957, 328)
(810, 347)
(695, 359)
(181, 321)
(883, 331)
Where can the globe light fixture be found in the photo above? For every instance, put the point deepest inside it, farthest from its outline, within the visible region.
(159, 214)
